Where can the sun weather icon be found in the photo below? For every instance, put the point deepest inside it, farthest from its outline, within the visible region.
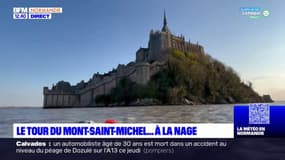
(266, 13)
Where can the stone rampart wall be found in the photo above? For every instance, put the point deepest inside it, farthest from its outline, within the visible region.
(139, 73)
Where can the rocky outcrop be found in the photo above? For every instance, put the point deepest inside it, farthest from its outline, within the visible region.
(267, 98)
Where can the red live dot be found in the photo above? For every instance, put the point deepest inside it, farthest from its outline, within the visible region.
(111, 121)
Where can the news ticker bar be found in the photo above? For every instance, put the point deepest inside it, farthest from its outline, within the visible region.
(123, 130)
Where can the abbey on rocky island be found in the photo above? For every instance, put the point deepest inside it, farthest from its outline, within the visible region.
(149, 61)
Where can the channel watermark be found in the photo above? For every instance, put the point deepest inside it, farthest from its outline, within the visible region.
(254, 12)
(35, 13)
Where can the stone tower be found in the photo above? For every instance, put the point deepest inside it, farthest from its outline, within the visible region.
(165, 27)
(159, 41)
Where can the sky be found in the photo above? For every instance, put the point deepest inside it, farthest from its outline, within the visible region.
(96, 35)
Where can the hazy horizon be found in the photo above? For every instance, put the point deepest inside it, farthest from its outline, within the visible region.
(95, 36)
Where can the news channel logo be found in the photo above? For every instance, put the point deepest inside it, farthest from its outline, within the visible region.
(36, 13)
(254, 12)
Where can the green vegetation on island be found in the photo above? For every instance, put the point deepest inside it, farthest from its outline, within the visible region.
(187, 78)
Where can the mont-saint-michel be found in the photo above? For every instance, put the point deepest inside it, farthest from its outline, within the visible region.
(171, 70)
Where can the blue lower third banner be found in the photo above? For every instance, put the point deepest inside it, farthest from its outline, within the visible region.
(259, 120)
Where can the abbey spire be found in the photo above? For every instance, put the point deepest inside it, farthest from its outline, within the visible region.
(165, 27)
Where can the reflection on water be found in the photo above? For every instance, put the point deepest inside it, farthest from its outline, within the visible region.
(145, 114)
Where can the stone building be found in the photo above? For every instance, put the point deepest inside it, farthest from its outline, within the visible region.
(148, 62)
(161, 41)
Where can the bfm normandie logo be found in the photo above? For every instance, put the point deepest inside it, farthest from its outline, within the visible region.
(35, 12)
